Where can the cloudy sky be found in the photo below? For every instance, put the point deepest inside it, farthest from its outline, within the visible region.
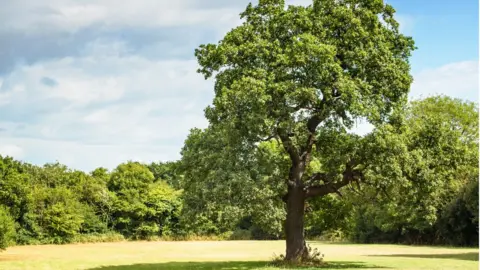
(95, 83)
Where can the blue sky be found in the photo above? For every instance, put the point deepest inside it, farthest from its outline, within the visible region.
(94, 83)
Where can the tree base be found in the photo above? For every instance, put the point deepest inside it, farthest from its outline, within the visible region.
(311, 258)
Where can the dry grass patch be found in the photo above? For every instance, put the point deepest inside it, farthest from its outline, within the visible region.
(228, 255)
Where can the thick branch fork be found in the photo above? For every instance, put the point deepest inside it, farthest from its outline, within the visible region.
(349, 175)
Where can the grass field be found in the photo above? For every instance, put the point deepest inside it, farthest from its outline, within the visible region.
(231, 255)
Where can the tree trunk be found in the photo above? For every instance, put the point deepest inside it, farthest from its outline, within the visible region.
(294, 227)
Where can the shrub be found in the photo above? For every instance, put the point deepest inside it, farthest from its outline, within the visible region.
(7, 229)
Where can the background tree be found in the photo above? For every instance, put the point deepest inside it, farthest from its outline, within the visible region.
(288, 73)
(14, 187)
(55, 204)
(56, 213)
(432, 202)
(141, 208)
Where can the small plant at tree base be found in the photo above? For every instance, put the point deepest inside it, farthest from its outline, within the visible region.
(312, 258)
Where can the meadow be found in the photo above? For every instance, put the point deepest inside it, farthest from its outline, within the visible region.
(228, 255)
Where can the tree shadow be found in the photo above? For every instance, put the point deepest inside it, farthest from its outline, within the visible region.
(468, 256)
(349, 265)
(187, 265)
(326, 242)
(241, 265)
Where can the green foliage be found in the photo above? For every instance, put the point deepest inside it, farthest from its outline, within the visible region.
(164, 206)
(457, 223)
(92, 222)
(300, 75)
(53, 204)
(141, 208)
(470, 196)
(14, 186)
(326, 213)
(434, 196)
(419, 186)
(7, 229)
(222, 187)
(168, 172)
(130, 179)
(285, 66)
(56, 213)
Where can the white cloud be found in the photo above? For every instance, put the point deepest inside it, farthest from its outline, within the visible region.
(74, 84)
(107, 103)
(92, 79)
(71, 15)
(458, 80)
(101, 105)
(11, 150)
(4, 98)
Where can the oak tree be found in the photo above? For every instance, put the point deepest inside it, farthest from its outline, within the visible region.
(288, 73)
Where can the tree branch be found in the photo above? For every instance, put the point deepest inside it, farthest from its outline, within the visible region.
(267, 138)
(312, 125)
(318, 177)
(289, 146)
(325, 189)
(349, 175)
(386, 193)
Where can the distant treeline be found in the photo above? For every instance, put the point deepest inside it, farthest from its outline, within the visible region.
(55, 205)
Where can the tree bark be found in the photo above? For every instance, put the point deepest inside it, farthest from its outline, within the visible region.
(294, 227)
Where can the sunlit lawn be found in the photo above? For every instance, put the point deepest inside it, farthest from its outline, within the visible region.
(228, 256)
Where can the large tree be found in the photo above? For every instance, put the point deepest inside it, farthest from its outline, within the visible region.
(288, 73)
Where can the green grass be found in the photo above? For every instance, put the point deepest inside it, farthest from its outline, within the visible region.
(228, 255)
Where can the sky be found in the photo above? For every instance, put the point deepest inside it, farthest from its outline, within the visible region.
(96, 83)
